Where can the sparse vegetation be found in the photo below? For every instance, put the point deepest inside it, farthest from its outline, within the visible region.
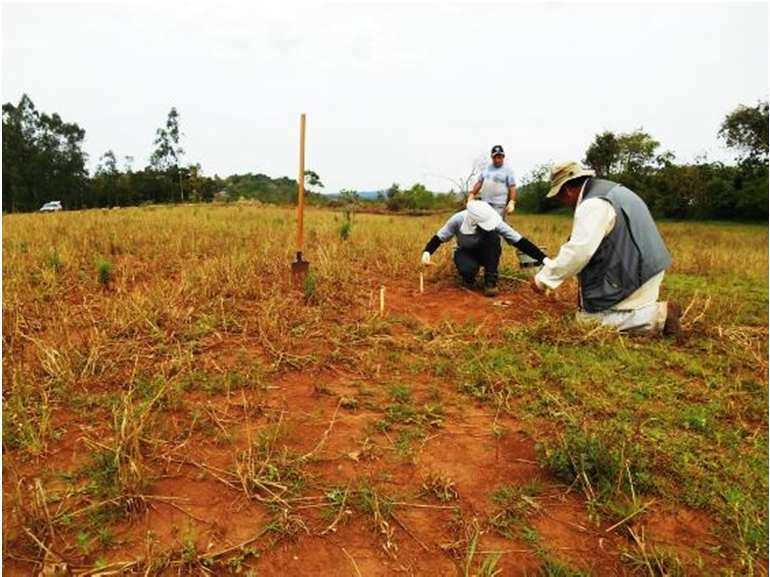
(233, 410)
(346, 227)
(104, 272)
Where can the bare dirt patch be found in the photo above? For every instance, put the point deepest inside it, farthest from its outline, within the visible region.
(334, 425)
(442, 300)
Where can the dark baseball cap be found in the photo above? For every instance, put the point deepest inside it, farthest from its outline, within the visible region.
(497, 149)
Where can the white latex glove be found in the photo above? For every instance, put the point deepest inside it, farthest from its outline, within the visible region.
(425, 258)
(510, 207)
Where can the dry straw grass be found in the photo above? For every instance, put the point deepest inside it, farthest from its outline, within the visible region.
(95, 300)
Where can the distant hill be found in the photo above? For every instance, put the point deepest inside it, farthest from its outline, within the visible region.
(362, 194)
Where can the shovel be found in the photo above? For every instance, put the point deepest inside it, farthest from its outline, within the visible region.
(300, 266)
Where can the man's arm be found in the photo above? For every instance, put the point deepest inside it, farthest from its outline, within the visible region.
(594, 218)
(514, 238)
(511, 204)
(451, 228)
(476, 188)
(509, 234)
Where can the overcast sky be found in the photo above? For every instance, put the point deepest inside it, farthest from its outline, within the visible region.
(393, 92)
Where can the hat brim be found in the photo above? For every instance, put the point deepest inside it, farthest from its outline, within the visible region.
(557, 187)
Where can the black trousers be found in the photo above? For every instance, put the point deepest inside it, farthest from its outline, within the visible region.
(486, 255)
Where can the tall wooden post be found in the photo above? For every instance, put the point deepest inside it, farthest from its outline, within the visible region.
(301, 187)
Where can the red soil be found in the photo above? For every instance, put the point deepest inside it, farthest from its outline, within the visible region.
(446, 301)
(188, 499)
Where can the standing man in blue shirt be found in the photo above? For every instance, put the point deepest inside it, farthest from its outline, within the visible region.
(496, 184)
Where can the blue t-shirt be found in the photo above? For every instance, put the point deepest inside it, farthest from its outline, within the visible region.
(496, 182)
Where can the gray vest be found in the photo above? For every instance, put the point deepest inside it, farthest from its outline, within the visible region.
(630, 255)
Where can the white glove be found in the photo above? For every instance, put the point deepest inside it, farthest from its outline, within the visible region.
(425, 258)
(510, 207)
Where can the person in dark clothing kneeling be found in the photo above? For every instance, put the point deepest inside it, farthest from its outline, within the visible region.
(478, 230)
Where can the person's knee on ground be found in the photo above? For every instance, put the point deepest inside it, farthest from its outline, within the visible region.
(659, 318)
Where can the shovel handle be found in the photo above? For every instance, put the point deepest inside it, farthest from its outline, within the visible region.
(301, 186)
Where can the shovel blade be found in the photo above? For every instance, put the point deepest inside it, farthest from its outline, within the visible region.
(299, 270)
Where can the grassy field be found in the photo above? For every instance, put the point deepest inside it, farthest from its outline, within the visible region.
(172, 405)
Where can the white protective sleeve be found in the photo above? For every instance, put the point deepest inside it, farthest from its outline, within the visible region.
(594, 219)
(451, 227)
(510, 234)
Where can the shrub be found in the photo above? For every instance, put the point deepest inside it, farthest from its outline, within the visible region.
(104, 271)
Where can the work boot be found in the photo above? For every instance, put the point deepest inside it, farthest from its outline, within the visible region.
(491, 290)
(673, 325)
(467, 282)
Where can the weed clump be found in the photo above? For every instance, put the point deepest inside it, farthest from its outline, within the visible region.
(27, 418)
(610, 471)
(440, 486)
(104, 272)
(346, 227)
(602, 460)
(267, 473)
(54, 261)
(516, 503)
(310, 287)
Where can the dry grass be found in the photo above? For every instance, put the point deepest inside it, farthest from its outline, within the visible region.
(97, 304)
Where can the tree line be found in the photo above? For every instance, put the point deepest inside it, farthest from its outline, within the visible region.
(43, 160)
(701, 189)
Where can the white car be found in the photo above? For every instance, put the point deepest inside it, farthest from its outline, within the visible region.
(52, 206)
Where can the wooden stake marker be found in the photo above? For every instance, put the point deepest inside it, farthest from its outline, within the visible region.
(382, 300)
(422, 282)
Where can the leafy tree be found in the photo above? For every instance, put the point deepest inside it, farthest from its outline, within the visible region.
(420, 197)
(349, 197)
(108, 164)
(168, 152)
(636, 152)
(312, 179)
(746, 129)
(603, 154)
(629, 153)
(393, 190)
(105, 182)
(270, 190)
(167, 149)
(417, 198)
(533, 191)
(42, 159)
